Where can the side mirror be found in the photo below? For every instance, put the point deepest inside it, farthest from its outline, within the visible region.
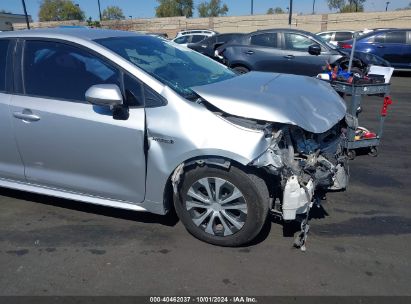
(314, 49)
(104, 95)
(108, 95)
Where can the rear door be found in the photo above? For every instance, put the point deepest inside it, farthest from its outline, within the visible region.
(11, 165)
(263, 52)
(65, 142)
(391, 46)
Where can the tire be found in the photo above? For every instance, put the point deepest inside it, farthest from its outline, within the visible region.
(213, 221)
(241, 69)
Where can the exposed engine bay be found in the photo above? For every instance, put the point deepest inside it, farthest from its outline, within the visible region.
(306, 164)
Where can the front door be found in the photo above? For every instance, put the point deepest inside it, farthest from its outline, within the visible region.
(297, 58)
(65, 142)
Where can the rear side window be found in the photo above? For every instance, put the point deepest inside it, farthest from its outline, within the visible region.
(341, 36)
(267, 40)
(197, 38)
(396, 37)
(4, 44)
(62, 71)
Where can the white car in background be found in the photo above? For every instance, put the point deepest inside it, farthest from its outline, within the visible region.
(334, 36)
(192, 36)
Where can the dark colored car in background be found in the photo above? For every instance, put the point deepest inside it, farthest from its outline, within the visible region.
(208, 46)
(394, 45)
(286, 51)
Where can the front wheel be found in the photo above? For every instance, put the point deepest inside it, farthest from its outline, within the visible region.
(241, 69)
(222, 207)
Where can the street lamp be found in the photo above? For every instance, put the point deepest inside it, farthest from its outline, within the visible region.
(252, 7)
(290, 13)
(386, 5)
(313, 7)
(25, 14)
(99, 9)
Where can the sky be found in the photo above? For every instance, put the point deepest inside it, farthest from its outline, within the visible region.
(146, 8)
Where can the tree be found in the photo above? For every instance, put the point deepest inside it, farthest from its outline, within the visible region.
(343, 7)
(335, 4)
(59, 10)
(113, 13)
(277, 10)
(173, 8)
(212, 9)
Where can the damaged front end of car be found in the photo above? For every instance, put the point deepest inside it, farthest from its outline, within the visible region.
(308, 165)
(305, 122)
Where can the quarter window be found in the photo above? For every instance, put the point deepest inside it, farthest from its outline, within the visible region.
(133, 92)
(3, 60)
(62, 71)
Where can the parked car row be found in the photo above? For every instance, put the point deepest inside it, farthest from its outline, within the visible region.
(301, 52)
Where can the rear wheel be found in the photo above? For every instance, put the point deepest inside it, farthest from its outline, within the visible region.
(222, 207)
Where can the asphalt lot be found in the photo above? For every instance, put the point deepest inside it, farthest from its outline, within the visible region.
(52, 246)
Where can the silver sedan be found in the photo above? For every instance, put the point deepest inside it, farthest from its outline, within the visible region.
(135, 122)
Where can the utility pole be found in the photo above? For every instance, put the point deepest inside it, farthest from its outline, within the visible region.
(290, 13)
(99, 9)
(313, 7)
(386, 5)
(25, 14)
(252, 7)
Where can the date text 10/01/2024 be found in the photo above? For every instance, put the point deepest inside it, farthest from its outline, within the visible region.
(239, 299)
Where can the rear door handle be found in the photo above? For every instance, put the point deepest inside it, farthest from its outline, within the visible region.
(289, 56)
(249, 52)
(380, 46)
(26, 115)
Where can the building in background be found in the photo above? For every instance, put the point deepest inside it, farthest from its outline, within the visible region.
(7, 20)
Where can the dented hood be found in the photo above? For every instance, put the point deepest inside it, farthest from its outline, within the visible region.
(304, 101)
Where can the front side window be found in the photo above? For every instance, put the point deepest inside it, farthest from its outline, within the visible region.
(178, 67)
(297, 42)
(61, 71)
(266, 40)
(4, 44)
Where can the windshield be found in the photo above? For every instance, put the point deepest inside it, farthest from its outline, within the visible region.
(177, 67)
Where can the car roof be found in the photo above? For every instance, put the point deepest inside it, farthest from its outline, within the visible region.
(282, 30)
(336, 31)
(375, 32)
(68, 33)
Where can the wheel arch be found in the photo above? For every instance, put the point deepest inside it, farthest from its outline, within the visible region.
(260, 177)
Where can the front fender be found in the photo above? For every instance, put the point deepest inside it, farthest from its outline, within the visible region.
(184, 130)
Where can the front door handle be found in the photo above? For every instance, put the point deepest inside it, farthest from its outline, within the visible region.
(26, 115)
(289, 56)
(249, 52)
(380, 46)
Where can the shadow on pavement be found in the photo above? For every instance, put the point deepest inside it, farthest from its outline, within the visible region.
(170, 219)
